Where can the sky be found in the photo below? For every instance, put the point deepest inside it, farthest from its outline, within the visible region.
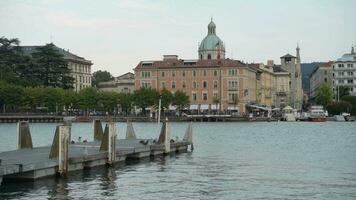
(117, 35)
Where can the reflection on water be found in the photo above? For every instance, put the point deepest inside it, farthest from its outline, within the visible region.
(230, 161)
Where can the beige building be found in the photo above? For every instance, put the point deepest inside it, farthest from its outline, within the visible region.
(322, 73)
(79, 66)
(267, 85)
(121, 84)
(281, 87)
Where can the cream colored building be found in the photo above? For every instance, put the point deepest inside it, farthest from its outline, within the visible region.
(121, 84)
(322, 73)
(79, 66)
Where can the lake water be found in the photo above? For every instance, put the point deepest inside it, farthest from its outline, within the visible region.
(261, 160)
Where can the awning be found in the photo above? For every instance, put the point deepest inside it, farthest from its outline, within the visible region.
(215, 107)
(232, 108)
(204, 107)
(172, 107)
(193, 107)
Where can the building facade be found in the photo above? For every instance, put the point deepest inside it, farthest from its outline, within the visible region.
(79, 66)
(121, 84)
(344, 72)
(322, 73)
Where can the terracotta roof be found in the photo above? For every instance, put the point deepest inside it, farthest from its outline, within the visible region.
(190, 63)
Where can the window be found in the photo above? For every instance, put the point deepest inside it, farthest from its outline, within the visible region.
(183, 84)
(145, 74)
(215, 72)
(195, 84)
(163, 84)
(232, 84)
(204, 72)
(183, 73)
(194, 73)
(215, 84)
(205, 84)
(173, 84)
(145, 84)
(173, 73)
(232, 97)
(194, 96)
(350, 81)
(325, 72)
(205, 96)
(232, 72)
(218, 56)
(325, 80)
(215, 95)
(349, 66)
(341, 81)
(162, 74)
(201, 56)
(209, 57)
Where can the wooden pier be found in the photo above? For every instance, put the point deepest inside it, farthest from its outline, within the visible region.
(29, 163)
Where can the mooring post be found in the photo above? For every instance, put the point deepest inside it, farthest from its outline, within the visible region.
(24, 136)
(60, 148)
(98, 130)
(130, 132)
(188, 137)
(108, 142)
(165, 136)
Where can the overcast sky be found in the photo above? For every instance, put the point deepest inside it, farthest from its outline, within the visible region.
(116, 35)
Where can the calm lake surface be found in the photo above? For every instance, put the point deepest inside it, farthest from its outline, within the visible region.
(261, 160)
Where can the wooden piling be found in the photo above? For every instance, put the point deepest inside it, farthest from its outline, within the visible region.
(188, 136)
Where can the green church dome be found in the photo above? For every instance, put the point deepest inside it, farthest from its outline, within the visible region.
(211, 41)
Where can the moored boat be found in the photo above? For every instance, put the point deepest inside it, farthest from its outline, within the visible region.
(317, 114)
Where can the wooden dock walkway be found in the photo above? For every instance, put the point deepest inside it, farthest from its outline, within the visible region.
(33, 163)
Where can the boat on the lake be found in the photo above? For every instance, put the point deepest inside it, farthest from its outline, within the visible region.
(317, 114)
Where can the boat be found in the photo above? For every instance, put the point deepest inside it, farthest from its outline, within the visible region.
(317, 114)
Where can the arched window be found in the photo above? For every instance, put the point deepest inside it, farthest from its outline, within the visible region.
(209, 57)
(201, 56)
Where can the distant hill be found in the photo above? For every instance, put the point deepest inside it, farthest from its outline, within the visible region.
(307, 69)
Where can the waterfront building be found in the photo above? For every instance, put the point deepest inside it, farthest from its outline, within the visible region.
(292, 64)
(79, 66)
(344, 72)
(322, 73)
(121, 84)
(212, 82)
(267, 86)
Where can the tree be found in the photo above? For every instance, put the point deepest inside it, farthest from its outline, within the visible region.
(145, 97)
(343, 91)
(109, 101)
(10, 96)
(352, 100)
(166, 99)
(323, 95)
(53, 67)
(338, 107)
(181, 100)
(125, 102)
(100, 76)
(9, 59)
(88, 99)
